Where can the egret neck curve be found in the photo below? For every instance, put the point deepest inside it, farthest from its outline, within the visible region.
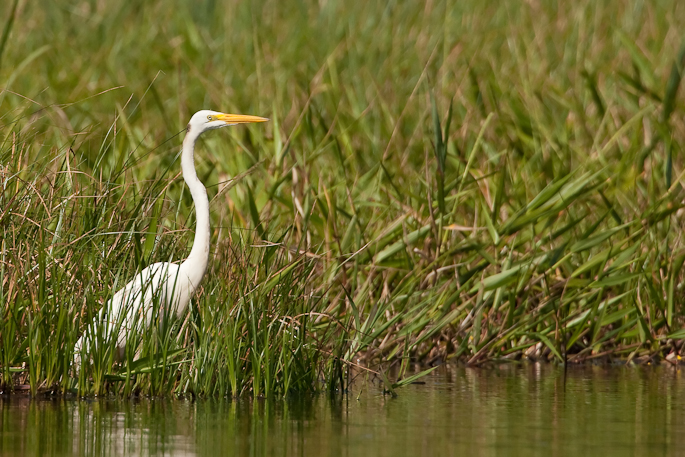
(196, 263)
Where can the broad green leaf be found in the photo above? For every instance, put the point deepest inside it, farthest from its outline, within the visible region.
(498, 280)
(615, 280)
(597, 239)
(410, 379)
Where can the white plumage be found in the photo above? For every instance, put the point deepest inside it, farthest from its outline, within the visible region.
(167, 285)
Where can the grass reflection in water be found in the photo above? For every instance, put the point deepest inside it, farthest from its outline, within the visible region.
(524, 410)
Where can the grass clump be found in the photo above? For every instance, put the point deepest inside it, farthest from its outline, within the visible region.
(454, 180)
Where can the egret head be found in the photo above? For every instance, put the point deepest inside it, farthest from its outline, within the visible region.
(210, 120)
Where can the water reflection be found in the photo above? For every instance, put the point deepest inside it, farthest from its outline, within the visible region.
(528, 411)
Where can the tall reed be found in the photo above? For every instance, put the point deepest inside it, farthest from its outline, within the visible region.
(445, 181)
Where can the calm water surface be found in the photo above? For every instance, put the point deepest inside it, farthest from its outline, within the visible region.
(527, 410)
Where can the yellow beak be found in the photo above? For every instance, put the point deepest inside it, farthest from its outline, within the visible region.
(239, 118)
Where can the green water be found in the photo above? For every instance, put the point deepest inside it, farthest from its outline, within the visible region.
(528, 410)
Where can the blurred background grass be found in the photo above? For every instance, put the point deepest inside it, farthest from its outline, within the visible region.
(440, 180)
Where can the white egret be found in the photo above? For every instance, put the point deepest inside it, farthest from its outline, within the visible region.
(169, 285)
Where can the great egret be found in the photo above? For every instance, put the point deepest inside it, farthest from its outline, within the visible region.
(169, 285)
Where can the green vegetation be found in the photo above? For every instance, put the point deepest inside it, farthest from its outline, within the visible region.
(472, 181)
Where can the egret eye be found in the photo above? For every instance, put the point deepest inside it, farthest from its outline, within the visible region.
(209, 117)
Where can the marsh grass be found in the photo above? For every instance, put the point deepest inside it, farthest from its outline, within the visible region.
(440, 181)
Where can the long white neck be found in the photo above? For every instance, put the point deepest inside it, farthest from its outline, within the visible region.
(196, 263)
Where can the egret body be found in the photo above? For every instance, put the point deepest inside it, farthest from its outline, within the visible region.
(169, 285)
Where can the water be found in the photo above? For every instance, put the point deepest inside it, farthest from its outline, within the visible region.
(527, 410)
